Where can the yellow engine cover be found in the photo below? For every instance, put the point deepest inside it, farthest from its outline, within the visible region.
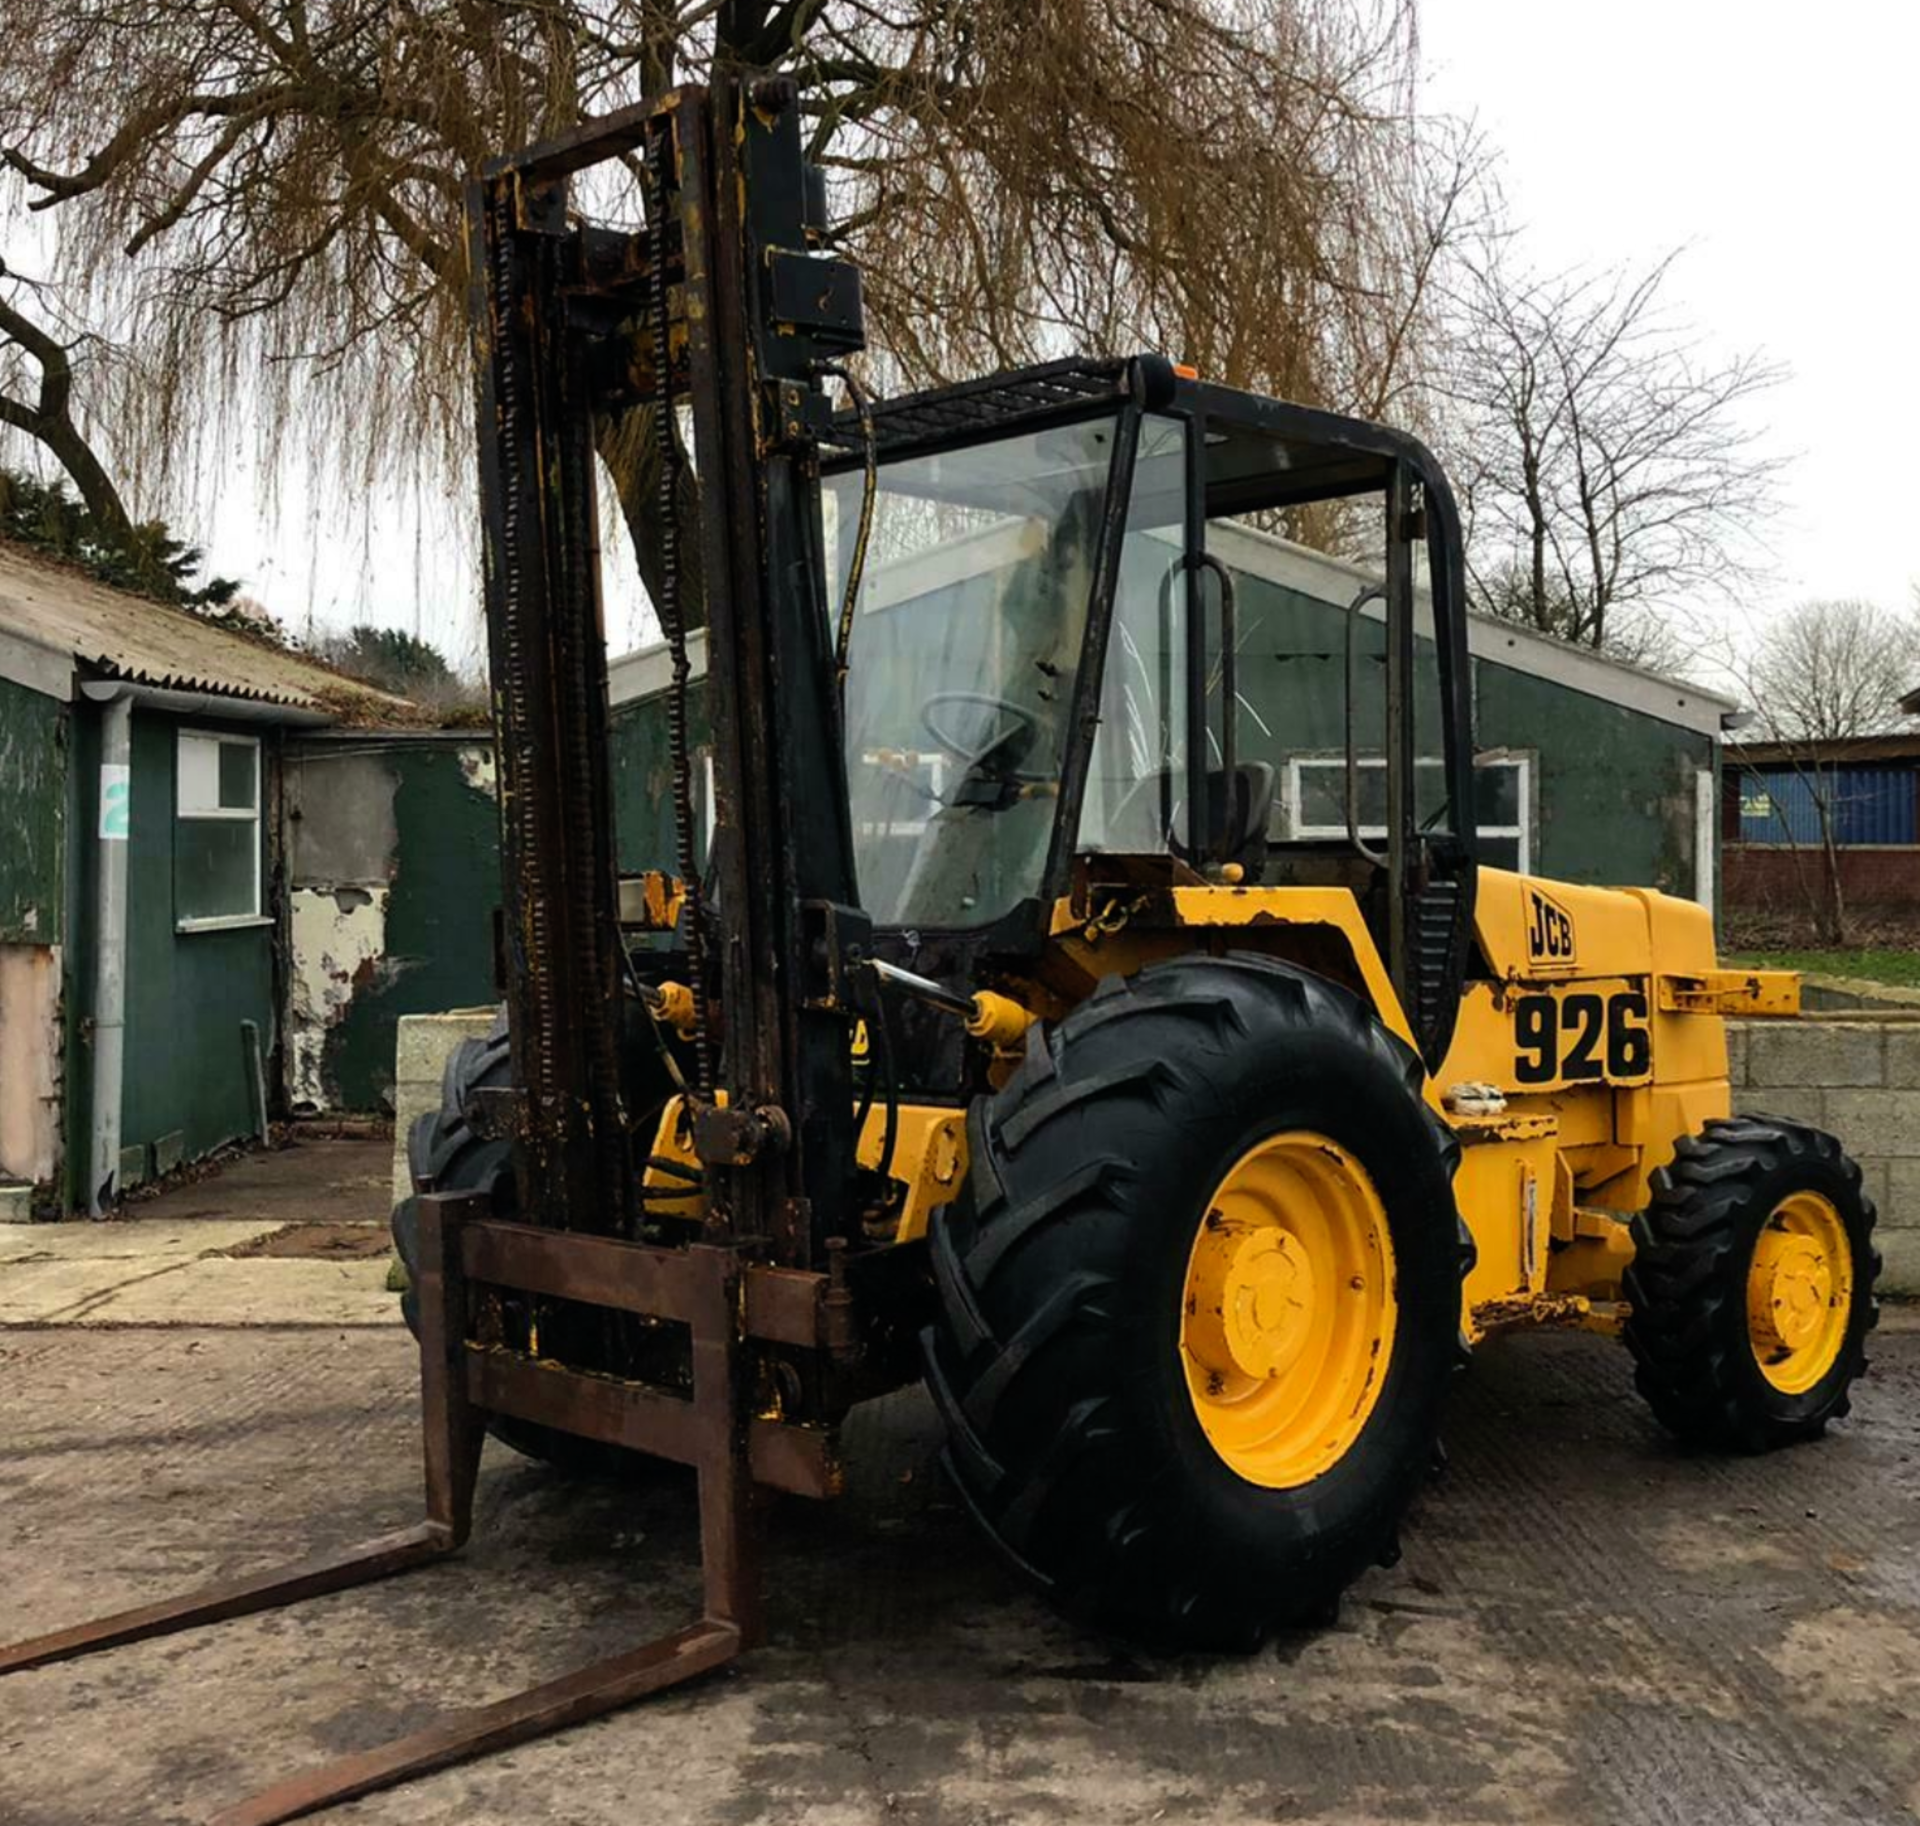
(1600, 1072)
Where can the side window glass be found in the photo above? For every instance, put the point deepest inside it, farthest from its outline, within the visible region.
(1135, 801)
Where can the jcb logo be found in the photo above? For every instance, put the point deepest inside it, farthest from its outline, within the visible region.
(1549, 931)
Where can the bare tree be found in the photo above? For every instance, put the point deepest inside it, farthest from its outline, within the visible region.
(1828, 670)
(1824, 674)
(1608, 474)
(268, 191)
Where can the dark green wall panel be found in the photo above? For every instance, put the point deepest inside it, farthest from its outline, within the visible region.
(187, 1069)
(33, 789)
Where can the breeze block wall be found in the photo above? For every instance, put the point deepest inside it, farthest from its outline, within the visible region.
(1858, 1078)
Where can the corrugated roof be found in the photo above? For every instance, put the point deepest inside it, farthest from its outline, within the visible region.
(124, 636)
(1899, 746)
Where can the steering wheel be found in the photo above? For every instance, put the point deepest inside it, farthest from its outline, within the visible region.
(1015, 736)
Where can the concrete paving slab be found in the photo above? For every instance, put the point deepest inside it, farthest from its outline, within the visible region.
(147, 1240)
(255, 1291)
(63, 1272)
(1589, 1626)
(149, 1273)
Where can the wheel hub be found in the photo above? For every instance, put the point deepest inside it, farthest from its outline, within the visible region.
(1790, 1289)
(1253, 1293)
(1289, 1309)
(1799, 1292)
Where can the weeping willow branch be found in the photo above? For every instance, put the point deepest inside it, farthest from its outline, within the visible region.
(237, 183)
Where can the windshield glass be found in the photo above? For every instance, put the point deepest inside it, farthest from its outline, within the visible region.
(966, 643)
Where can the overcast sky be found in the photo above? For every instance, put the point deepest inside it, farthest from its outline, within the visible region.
(1779, 144)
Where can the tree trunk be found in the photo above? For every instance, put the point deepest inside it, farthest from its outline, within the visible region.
(89, 476)
(628, 448)
(1834, 909)
(50, 421)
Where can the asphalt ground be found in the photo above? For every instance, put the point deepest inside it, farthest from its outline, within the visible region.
(1588, 1625)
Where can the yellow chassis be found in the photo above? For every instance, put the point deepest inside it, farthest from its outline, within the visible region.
(1592, 1042)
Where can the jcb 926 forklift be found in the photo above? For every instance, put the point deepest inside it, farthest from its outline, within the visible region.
(1011, 1031)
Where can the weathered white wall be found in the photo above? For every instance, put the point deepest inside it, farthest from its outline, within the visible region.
(30, 1050)
(336, 939)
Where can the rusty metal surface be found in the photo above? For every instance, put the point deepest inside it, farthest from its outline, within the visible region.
(641, 1418)
(586, 1693)
(311, 1578)
(632, 1277)
(782, 827)
(782, 1305)
(548, 667)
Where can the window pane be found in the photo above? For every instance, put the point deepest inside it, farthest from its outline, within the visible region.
(199, 776)
(1323, 797)
(214, 867)
(1135, 799)
(972, 612)
(237, 761)
(1498, 794)
(1430, 808)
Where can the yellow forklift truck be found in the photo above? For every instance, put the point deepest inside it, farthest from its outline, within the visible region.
(1011, 1031)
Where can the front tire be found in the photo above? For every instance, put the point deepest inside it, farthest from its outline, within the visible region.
(1149, 1250)
(1751, 1287)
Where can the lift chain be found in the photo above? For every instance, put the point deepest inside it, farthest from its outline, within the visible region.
(670, 607)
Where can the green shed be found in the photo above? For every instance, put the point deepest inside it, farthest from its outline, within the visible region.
(140, 766)
(1589, 770)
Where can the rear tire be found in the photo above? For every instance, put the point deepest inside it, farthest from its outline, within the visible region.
(1752, 1285)
(1060, 1356)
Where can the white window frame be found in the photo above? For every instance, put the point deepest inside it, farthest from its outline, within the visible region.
(1520, 762)
(197, 813)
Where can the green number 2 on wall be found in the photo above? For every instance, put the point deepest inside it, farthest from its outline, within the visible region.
(116, 801)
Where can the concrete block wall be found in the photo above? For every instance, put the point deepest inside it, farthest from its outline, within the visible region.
(420, 1060)
(1859, 1080)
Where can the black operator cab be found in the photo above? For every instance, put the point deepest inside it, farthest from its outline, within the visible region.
(1061, 657)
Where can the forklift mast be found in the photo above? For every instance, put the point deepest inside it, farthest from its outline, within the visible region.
(720, 308)
(720, 305)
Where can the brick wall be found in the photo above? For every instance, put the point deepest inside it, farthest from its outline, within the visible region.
(1765, 880)
(1860, 1080)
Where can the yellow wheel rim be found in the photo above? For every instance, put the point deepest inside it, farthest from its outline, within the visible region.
(1799, 1292)
(1289, 1315)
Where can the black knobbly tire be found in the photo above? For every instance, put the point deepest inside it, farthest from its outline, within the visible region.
(1055, 1356)
(1689, 1329)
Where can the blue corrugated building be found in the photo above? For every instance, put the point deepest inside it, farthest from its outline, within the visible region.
(1784, 801)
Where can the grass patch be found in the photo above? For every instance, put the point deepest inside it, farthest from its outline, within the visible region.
(1899, 968)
